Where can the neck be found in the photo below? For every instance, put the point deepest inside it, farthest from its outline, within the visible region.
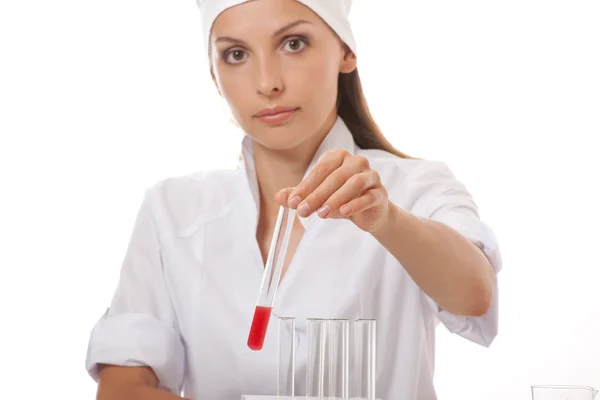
(279, 169)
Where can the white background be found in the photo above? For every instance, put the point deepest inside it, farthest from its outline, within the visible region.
(99, 100)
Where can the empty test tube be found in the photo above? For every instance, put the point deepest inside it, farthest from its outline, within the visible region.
(338, 369)
(365, 351)
(315, 367)
(286, 355)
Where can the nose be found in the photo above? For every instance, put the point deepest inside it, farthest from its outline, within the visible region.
(269, 77)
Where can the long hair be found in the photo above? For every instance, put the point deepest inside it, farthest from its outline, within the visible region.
(354, 111)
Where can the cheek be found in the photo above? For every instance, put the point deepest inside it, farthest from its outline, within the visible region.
(234, 89)
(318, 83)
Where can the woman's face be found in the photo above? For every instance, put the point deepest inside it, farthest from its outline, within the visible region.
(276, 63)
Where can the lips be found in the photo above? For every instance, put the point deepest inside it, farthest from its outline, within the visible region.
(276, 115)
(273, 111)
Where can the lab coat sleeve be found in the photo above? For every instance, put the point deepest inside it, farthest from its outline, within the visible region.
(140, 326)
(436, 194)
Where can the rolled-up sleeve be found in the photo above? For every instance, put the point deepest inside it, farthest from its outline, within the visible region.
(436, 194)
(140, 326)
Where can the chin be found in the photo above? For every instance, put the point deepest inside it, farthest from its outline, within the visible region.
(278, 137)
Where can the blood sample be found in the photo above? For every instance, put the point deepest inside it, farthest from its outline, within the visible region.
(258, 330)
(271, 276)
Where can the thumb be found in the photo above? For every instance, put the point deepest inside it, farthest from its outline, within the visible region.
(282, 197)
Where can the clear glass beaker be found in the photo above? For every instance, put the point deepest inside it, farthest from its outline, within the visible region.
(563, 392)
(316, 329)
(286, 355)
(338, 365)
(364, 358)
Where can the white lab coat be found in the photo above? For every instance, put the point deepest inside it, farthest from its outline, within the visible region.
(192, 271)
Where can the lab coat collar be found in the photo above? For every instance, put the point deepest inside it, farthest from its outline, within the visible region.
(339, 137)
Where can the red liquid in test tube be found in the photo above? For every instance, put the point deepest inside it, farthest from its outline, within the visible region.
(258, 330)
(271, 276)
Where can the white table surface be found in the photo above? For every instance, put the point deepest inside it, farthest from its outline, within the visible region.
(250, 397)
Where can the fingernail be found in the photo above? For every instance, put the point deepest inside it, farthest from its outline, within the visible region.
(294, 201)
(323, 211)
(304, 210)
(345, 210)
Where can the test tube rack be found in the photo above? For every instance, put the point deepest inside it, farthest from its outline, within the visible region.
(321, 325)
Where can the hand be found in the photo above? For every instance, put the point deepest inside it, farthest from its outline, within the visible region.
(340, 185)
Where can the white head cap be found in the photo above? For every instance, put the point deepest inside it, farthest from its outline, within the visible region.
(334, 12)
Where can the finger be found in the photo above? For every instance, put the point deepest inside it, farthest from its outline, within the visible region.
(369, 199)
(336, 215)
(316, 199)
(281, 198)
(328, 163)
(354, 186)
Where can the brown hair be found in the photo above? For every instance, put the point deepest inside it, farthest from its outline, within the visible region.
(354, 111)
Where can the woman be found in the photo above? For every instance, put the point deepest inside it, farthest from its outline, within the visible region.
(379, 235)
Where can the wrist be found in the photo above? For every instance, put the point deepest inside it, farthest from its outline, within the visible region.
(388, 222)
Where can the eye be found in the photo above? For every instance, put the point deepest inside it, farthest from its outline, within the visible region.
(234, 56)
(294, 45)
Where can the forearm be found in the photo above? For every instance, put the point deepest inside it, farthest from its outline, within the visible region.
(445, 265)
(130, 383)
(131, 392)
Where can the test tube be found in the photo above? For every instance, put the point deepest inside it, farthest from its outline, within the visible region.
(339, 338)
(365, 351)
(315, 363)
(286, 355)
(271, 277)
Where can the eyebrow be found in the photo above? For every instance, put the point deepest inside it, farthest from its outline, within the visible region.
(278, 32)
(290, 26)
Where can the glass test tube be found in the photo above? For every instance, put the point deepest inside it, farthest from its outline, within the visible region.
(315, 366)
(271, 277)
(286, 355)
(365, 352)
(339, 339)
